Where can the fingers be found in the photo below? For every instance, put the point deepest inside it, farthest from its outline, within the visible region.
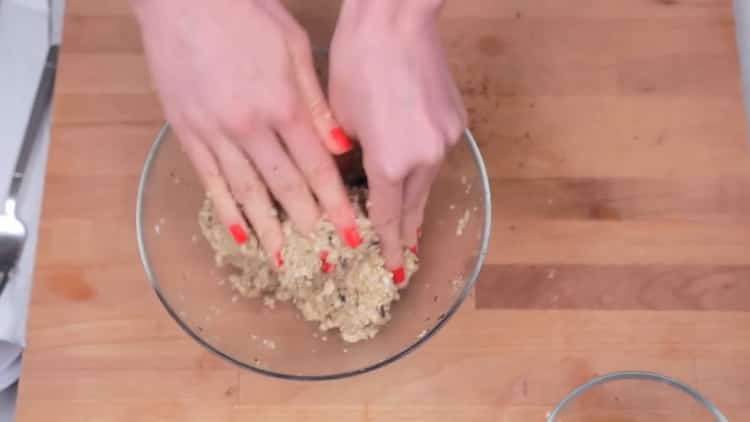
(303, 65)
(334, 137)
(385, 213)
(250, 192)
(323, 177)
(416, 194)
(216, 188)
(302, 135)
(283, 178)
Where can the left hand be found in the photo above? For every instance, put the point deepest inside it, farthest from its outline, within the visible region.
(238, 85)
(390, 86)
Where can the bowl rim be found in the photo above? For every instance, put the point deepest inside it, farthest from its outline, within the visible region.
(468, 286)
(552, 416)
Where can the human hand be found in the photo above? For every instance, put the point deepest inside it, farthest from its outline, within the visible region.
(237, 84)
(390, 86)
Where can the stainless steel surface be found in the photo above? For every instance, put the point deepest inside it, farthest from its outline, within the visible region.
(55, 22)
(12, 230)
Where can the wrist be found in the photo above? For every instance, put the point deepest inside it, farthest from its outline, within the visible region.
(389, 13)
(142, 8)
(159, 9)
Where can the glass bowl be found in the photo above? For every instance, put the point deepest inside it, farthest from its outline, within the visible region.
(634, 396)
(277, 342)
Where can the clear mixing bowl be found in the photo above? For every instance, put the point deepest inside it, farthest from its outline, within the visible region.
(277, 342)
(635, 396)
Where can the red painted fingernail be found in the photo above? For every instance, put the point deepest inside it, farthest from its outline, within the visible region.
(279, 258)
(398, 275)
(325, 266)
(340, 139)
(238, 233)
(413, 249)
(351, 236)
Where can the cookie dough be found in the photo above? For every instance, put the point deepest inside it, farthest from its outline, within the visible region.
(354, 295)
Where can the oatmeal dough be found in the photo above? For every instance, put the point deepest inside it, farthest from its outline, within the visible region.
(353, 296)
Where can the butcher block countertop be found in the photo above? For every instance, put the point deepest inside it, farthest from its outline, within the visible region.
(614, 138)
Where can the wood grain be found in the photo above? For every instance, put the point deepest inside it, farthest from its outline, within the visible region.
(612, 287)
(614, 136)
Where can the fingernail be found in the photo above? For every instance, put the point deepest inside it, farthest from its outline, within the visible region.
(325, 266)
(238, 233)
(351, 237)
(398, 275)
(340, 139)
(419, 233)
(413, 249)
(279, 258)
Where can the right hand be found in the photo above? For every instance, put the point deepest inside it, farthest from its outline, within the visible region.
(237, 83)
(390, 86)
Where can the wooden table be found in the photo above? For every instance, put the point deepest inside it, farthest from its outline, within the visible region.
(614, 135)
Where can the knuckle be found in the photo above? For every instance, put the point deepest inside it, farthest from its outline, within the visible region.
(391, 173)
(386, 221)
(203, 163)
(387, 170)
(454, 130)
(291, 187)
(266, 232)
(319, 109)
(286, 111)
(297, 37)
(216, 189)
(433, 153)
(322, 172)
(239, 123)
(246, 190)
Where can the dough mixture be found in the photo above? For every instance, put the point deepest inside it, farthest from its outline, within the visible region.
(334, 285)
